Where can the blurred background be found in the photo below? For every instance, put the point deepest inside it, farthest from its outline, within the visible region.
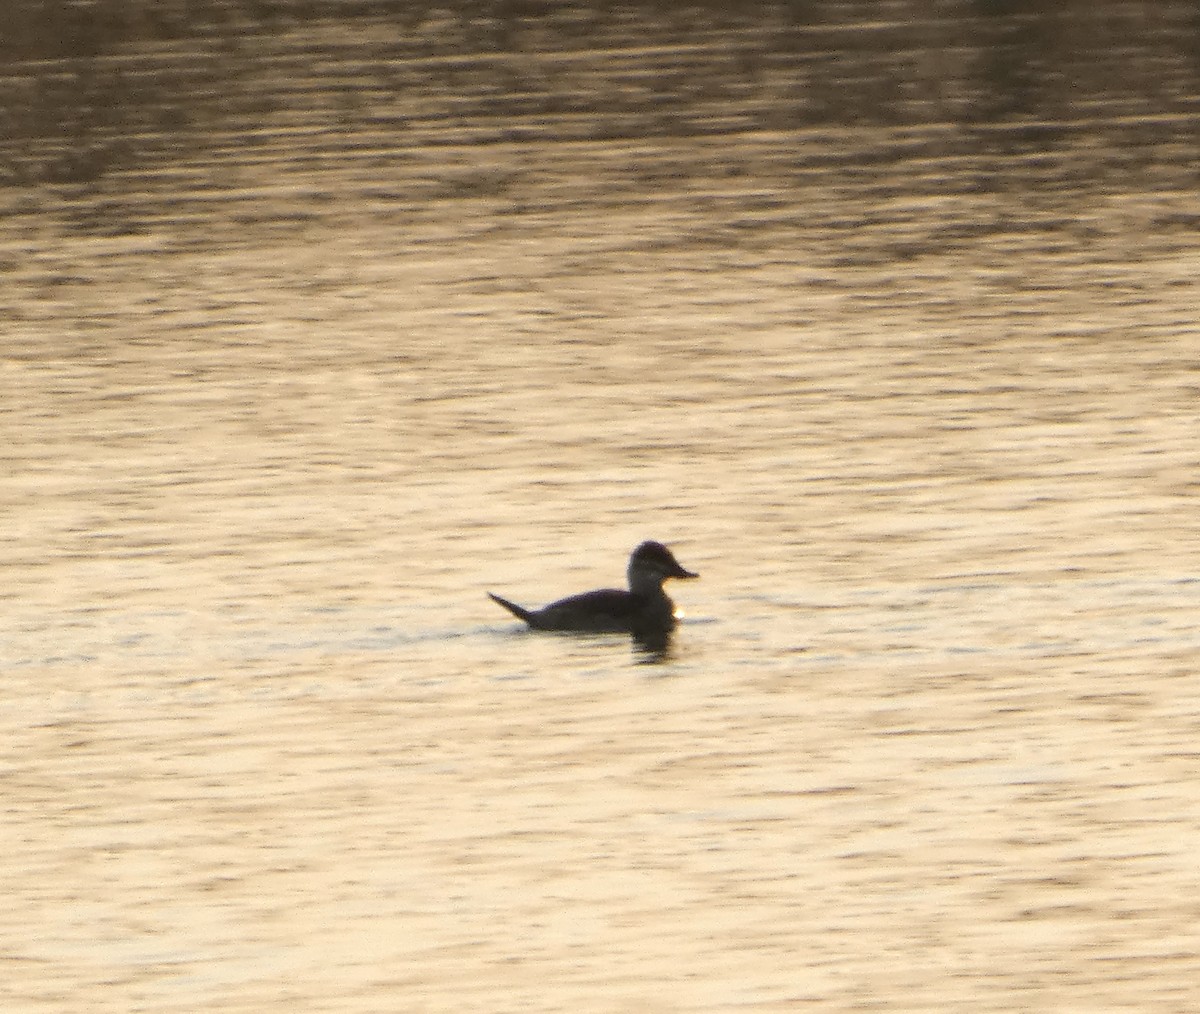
(320, 318)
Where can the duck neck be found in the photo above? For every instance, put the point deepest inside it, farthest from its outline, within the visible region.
(645, 582)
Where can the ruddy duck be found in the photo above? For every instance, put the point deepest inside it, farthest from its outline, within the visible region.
(644, 610)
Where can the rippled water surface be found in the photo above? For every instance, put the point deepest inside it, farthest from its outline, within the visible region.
(323, 320)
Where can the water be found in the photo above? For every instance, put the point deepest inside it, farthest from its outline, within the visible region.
(319, 326)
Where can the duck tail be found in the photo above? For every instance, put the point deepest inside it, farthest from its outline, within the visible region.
(518, 611)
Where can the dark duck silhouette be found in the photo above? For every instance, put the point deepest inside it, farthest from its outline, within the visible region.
(644, 610)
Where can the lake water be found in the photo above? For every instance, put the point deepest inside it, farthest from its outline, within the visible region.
(322, 320)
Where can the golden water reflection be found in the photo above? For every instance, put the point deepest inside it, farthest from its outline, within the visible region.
(334, 323)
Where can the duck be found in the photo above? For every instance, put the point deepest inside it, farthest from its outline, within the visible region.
(644, 610)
